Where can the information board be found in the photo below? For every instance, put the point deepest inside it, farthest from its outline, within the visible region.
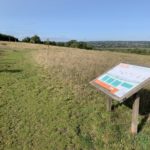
(122, 80)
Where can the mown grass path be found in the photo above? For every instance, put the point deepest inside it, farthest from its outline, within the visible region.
(39, 111)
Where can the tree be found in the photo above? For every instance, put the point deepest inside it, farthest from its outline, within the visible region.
(26, 39)
(35, 39)
(47, 42)
(4, 37)
(72, 43)
(52, 43)
(76, 44)
(60, 44)
(84, 45)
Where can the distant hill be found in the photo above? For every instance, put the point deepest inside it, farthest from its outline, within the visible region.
(119, 44)
(4, 37)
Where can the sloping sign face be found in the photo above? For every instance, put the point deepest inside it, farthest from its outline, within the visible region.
(122, 81)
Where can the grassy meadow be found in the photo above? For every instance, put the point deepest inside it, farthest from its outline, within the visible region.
(46, 101)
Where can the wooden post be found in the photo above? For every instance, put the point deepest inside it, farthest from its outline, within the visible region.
(135, 112)
(109, 104)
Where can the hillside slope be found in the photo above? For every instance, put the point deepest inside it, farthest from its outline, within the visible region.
(48, 103)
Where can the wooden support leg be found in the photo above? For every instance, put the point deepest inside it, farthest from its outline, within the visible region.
(135, 112)
(109, 104)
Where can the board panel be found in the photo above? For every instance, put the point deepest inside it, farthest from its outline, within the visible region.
(122, 81)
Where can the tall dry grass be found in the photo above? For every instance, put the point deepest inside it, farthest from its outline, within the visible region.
(21, 46)
(76, 65)
(81, 65)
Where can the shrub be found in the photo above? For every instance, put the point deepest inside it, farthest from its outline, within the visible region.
(4, 37)
(26, 39)
(35, 39)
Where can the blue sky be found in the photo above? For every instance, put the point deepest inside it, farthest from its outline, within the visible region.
(77, 19)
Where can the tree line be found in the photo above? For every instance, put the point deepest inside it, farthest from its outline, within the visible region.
(71, 43)
(138, 47)
(37, 40)
(4, 37)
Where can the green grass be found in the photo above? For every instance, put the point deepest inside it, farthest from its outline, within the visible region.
(39, 111)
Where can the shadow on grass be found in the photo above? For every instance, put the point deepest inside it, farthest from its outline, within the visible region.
(144, 109)
(10, 70)
(7, 63)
